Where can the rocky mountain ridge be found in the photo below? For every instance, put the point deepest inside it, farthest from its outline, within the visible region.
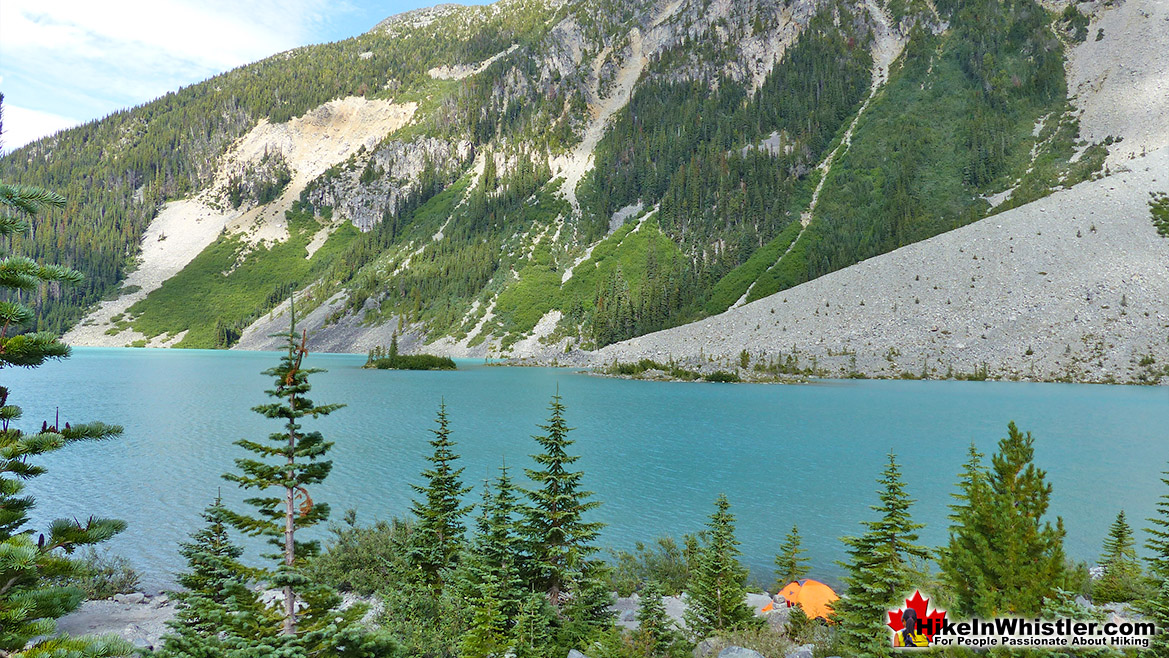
(492, 221)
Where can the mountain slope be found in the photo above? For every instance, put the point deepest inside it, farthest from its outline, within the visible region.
(549, 176)
(1070, 287)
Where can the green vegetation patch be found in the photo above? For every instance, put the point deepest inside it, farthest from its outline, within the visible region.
(231, 284)
(734, 285)
(1159, 209)
(412, 362)
(954, 123)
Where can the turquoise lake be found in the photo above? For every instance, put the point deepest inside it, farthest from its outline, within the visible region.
(656, 454)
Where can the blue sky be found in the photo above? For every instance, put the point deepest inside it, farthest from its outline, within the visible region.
(65, 62)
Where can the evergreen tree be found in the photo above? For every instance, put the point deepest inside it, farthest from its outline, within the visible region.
(1157, 609)
(214, 567)
(1157, 606)
(1158, 541)
(1002, 557)
(1122, 576)
(655, 634)
(495, 549)
(310, 624)
(790, 564)
(487, 635)
(532, 633)
(558, 540)
(218, 613)
(290, 462)
(717, 590)
(880, 568)
(29, 603)
(440, 529)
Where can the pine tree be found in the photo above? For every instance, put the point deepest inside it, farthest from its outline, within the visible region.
(213, 563)
(440, 531)
(532, 633)
(558, 540)
(1158, 541)
(790, 564)
(218, 613)
(880, 569)
(654, 633)
(29, 603)
(290, 462)
(311, 624)
(717, 591)
(1157, 609)
(1122, 569)
(495, 548)
(1002, 558)
(487, 635)
(1157, 606)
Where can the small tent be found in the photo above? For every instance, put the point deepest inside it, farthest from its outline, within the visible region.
(814, 597)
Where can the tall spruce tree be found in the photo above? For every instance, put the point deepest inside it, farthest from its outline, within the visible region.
(1002, 557)
(558, 541)
(880, 569)
(30, 603)
(1157, 609)
(439, 533)
(289, 462)
(718, 589)
(790, 564)
(1121, 580)
(311, 624)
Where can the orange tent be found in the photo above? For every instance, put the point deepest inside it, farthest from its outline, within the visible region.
(814, 597)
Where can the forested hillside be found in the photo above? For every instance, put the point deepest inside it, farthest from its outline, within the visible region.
(569, 173)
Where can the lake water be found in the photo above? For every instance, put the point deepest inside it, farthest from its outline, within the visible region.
(656, 454)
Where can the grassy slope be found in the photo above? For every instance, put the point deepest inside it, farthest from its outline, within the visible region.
(219, 285)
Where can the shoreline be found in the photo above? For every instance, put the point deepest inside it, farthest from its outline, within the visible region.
(584, 364)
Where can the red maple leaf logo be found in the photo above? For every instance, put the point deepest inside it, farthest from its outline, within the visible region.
(930, 621)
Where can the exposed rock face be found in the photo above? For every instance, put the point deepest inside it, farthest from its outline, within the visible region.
(395, 172)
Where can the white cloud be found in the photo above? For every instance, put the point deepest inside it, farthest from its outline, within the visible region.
(22, 125)
(87, 58)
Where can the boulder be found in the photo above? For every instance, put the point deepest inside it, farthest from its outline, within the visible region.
(804, 651)
(133, 598)
(778, 617)
(739, 652)
(576, 654)
(676, 609)
(757, 602)
(708, 647)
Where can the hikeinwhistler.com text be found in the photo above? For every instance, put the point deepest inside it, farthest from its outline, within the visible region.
(1039, 633)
